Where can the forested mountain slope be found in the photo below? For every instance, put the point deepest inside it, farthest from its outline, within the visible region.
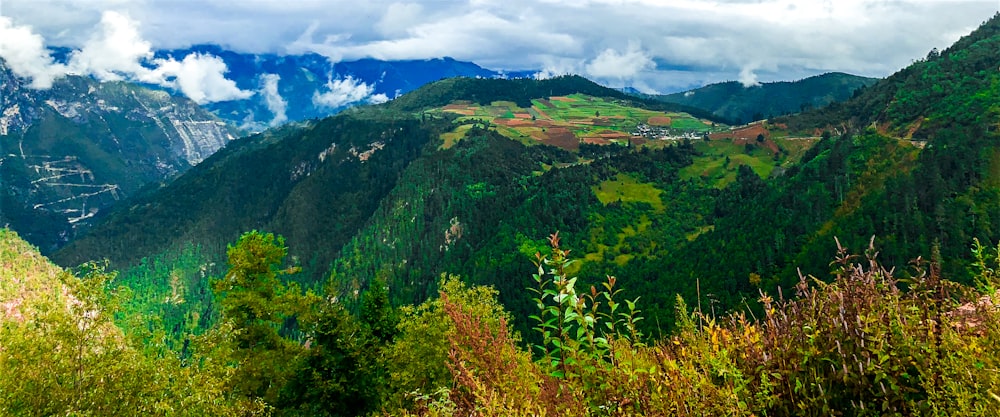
(911, 162)
(743, 104)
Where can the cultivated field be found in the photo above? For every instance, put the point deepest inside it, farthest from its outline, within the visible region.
(567, 121)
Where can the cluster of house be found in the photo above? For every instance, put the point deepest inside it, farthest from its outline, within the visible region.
(663, 133)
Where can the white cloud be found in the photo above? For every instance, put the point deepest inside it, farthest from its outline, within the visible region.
(612, 64)
(201, 77)
(275, 103)
(114, 52)
(747, 77)
(26, 55)
(554, 67)
(378, 98)
(343, 91)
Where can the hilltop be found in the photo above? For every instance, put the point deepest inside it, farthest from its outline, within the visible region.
(744, 104)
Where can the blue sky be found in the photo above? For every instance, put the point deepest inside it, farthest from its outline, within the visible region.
(655, 46)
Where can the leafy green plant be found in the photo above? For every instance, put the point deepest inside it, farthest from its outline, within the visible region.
(986, 267)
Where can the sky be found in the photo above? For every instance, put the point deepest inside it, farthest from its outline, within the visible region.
(651, 45)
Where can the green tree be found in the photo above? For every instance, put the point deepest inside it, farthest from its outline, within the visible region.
(339, 375)
(261, 310)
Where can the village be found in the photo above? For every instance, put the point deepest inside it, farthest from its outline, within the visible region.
(664, 133)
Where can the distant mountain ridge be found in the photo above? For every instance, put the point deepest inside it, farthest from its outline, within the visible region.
(734, 101)
(313, 87)
(75, 149)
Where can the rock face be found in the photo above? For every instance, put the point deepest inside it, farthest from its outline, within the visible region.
(16, 102)
(70, 152)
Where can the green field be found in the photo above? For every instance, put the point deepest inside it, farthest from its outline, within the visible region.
(627, 189)
(714, 167)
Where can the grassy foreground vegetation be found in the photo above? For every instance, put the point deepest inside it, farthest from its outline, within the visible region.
(873, 341)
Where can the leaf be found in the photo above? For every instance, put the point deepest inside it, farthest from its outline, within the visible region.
(570, 316)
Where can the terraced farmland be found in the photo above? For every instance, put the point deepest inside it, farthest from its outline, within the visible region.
(568, 121)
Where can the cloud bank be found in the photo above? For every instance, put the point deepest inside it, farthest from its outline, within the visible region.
(115, 51)
(659, 44)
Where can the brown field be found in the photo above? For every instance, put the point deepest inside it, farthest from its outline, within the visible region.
(561, 137)
(613, 135)
(745, 135)
(522, 115)
(514, 122)
(596, 141)
(541, 114)
(659, 121)
(561, 99)
(749, 132)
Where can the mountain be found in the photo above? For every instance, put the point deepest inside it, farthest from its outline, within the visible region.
(74, 150)
(742, 104)
(310, 86)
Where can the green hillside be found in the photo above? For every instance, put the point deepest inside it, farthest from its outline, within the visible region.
(744, 104)
(63, 354)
